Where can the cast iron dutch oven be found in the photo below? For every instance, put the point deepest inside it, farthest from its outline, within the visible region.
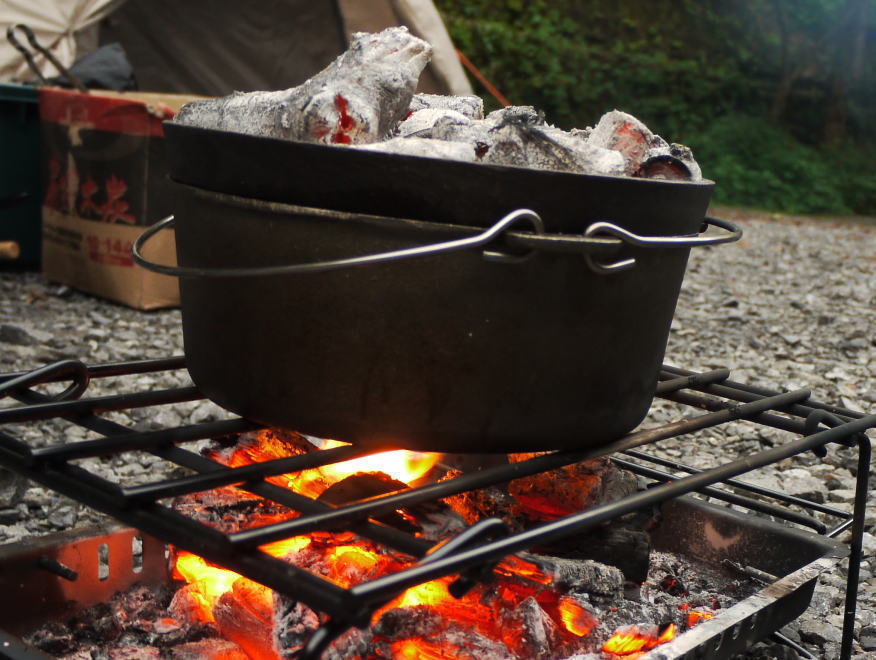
(434, 305)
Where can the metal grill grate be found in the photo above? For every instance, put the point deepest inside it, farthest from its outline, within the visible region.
(714, 400)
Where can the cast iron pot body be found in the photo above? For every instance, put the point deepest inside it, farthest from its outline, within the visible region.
(448, 352)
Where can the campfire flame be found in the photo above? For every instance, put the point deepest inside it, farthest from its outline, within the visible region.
(347, 560)
(402, 465)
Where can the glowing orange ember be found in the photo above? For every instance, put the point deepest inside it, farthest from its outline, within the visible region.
(696, 616)
(347, 560)
(209, 582)
(577, 620)
(422, 649)
(428, 593)
(631, 639)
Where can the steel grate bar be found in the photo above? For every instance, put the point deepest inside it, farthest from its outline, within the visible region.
(370, 529)
(753, 488)
(173, 527)
(475, 480)
(709, 403)
(726, 496)
(238, 475)
(137, 506)
(143, 441)
(731, 386)
(382, 589)
(693, 380)
(111, 369)
(373, 530)
(39, 410)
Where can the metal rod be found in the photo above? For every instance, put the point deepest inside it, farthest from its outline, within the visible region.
(109, 369)
(233, 476)
(694, 380)
(709, 403)
(72, 370)
(38, 408)
(369, 529)
(779, 637)
(753, 488)
(802, 411)
(732, 498)
(856, 544)
(373, 530)
(387, 587)
(144, 441)
(474, 480)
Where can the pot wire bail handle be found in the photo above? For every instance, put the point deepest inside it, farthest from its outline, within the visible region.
(476, 240)
(687, 241)
(598, 239)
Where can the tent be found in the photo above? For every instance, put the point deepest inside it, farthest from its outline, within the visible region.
(213, 47)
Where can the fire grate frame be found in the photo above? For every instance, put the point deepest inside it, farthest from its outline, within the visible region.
(469, 554)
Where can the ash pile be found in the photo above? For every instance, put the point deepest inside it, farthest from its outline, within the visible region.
(366, 99)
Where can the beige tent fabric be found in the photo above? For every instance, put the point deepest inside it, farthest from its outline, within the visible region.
(422, 18)
(54, 22)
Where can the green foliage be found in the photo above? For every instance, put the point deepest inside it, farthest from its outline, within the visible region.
(756, 164)
(700, 72)
(852, 169)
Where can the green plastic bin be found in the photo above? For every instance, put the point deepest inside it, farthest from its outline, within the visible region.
(19, 176)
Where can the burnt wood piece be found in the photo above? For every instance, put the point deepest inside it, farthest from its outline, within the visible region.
(433, 520)
(244, 615)
(570, 489)
(230, 509)
(365, 485)
(547, 496)
(136, 623)
(624, 548)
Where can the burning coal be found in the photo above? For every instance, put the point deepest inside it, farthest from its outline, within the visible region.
(536, 607)
(365, 99)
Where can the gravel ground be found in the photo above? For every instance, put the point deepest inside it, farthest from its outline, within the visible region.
(790, 306)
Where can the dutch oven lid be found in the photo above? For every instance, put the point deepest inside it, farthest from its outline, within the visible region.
(457, 192)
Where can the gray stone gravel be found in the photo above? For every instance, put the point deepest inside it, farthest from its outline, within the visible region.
(790, 306)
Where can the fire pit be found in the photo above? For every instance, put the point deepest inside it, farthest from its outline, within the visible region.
(473, 554)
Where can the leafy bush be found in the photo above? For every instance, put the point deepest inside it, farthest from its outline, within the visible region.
(699, 72)
(853, 170)
(757, 164)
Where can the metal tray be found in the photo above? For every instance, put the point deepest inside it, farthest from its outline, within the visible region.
(689, 526)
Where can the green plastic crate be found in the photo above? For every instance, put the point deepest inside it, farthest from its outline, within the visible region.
(20, 173)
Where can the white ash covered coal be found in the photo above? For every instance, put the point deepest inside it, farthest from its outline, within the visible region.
(365, 99)
(466, 105)
(645, 154)
(516, 135)
(360, 97)
(424, 147)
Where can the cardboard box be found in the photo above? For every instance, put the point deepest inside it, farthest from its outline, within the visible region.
(104, 180)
